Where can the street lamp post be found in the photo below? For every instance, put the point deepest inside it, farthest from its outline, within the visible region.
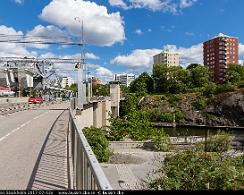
(81, 96)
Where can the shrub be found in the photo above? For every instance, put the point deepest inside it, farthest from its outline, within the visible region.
(117, 129)
(166, 117)
(179, 116)
(191, 170)
(200, 103)
(221, 142)
(98, 142)
(161, 141)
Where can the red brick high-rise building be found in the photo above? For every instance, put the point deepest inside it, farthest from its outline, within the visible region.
(218, 53)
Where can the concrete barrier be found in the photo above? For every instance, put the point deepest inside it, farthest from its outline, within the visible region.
(13, 100)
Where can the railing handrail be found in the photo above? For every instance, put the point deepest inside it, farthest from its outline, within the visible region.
(98, 173)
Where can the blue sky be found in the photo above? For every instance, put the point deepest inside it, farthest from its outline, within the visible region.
(121, 35)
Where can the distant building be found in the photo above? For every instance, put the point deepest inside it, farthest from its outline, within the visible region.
(166, 57)
(67, 82)
(96, 81)
(124, 79)
(218, 53)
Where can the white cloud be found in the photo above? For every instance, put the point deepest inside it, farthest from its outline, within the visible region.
(139, 58)
(104, 72)
(154, 5)
(241, 51)
(100, 27)
(118, 3)
(19, 1)
(139, 31)
(186, 3)
(12, 49)
(49, 33)
(142, 59)
(193, 54)
(92, 56)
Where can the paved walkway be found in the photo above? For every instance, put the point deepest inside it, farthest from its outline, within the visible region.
(33, 153)
(52, 172)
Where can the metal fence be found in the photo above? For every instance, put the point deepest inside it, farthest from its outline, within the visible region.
(87, 172)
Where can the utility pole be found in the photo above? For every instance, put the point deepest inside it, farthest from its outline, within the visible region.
(80, 67)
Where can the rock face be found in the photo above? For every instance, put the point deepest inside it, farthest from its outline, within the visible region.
(225, 109)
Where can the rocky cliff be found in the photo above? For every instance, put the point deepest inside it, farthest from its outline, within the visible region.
(226, 109)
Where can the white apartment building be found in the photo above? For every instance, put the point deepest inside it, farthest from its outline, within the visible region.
(166, 57)
(124, 79)
(67, 81)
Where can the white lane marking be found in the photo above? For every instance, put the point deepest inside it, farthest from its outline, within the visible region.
(24, 124)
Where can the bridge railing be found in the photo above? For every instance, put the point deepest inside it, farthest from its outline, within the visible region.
(87, 172)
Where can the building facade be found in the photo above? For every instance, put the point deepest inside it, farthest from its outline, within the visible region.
(218, 53)
(67, 82)
(166, 57)
(124, 79)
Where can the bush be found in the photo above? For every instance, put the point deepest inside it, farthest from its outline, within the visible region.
(191, 170)
(221, 142)
(226, 87)
(117, 129)
(200, 103)
(98, 142)
(166, 117)
(161, 141)
(179, 116)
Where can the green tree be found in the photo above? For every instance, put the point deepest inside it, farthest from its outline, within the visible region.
(160, 78)
(199, 75)
(235, 73)
(100, 90)
(98, 142)
(142, 84)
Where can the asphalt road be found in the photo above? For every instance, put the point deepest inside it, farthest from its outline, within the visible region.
(22, 135)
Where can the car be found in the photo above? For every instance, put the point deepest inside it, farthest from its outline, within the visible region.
(35, 100)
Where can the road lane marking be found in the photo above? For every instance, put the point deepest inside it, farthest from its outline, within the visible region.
(21, 126)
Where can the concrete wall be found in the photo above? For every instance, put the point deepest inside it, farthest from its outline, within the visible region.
(106, 110)
(85, 119)
(94, 114)
(13, 100)
(115, 99)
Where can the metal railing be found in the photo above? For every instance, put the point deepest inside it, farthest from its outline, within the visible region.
(87, 172)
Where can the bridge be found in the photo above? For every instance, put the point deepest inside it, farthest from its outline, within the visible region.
(42, 147)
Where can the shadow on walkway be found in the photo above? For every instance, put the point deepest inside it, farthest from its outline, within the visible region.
(51, 169)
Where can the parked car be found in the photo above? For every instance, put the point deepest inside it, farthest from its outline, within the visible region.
(35, 100)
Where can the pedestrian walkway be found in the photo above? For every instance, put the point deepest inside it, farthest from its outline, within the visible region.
(51, 170)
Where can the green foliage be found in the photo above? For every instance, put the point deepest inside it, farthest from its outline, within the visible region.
(143, 84)
(117, 129)
(221, 142)
(226, 87)
(166, 117)
(179, 116)
(100, 90)
(161, 141)
(98, 142)
(200, 103)
(209, 89)
(131, 102)
(138, 125)
(199, 76)
(73, 87)
(235, 73)
(191, 170)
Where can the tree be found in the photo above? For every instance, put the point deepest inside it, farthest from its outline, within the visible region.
(235, 73)
(142, 84)
(199, 75)
(160, 78)
(100, 90)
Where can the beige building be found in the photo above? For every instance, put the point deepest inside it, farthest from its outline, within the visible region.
(166, 57)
